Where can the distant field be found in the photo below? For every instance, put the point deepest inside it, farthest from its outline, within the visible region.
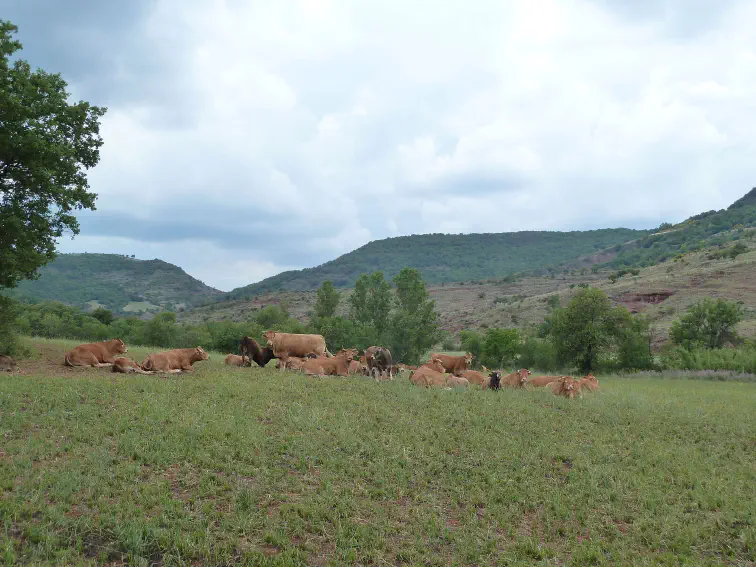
(253, 466)
(139, 306)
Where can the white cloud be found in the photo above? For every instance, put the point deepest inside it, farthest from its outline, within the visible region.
(299, 130)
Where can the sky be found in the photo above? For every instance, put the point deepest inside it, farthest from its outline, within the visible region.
(247, 137)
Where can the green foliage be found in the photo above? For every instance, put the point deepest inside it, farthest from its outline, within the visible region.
(587, 328)
(732, 252)
(9, 311)
(538, 353)
(500, 347)
(448, 342)
(46, 144)
(472, 342)
(342, 333)
(161, 330)
(707, 324)
(103, 315)
(553, 301)
(327, 300)
(702, 359)
(370, 303)
(115, 281)
(414, 324)
(448, 257)
(634, 345)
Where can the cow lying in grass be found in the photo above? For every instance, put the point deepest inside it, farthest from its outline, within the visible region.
(7, 364)
(429, 374)
(95, 354)
(540, 381)
(127, 366)
(236, 360)
(336, 365)
(566, 386)
(174, 361)
(589, 382)
(516, 379)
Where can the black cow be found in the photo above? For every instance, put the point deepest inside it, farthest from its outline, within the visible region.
(249, 347)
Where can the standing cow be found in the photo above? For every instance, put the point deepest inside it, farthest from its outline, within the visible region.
(285, 345)
(379, 361)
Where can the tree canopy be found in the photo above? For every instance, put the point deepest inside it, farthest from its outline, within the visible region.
(708, 324)
(46, 146)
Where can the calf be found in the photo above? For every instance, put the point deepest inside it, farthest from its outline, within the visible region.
(566, 386)
(475, 377)
(429, 374)
(516, 379)
(127, 366)
(95, 354)
(589, 382)
(456, 381)
(330, 366)
(248, 347)
(174, 361)
(236, 360)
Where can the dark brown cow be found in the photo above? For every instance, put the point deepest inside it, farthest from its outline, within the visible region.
(379, 362)
(250, 348)
(453, 364)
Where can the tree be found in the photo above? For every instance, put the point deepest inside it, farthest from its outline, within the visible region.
(370, 302)
(103, 315)
(46, 144)
(500, 347)
(472, 342)
(587, 328)
(414, 325)
(708, 324)
(327, 300)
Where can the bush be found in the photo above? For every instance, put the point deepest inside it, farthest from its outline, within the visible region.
(500, 347)
(472, 342)
(538, 354)
(707, 324)
(9, 312)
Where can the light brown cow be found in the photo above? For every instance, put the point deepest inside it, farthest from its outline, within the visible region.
(429, 374)
(127, 366)
(7, 364)
(356, 368)
(589, 382)
(174, 361)
(337, 365)
(539, 381)
(453, 364)
(516, 379)
(475, 377)
(566, 386)
(236, 360)
(285, 345)
(95, 354)
(456, 381)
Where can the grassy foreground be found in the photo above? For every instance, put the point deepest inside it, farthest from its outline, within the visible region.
(252, 466)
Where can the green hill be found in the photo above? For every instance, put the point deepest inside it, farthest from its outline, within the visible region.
(449, 258)
(117, 282)
(705, 230)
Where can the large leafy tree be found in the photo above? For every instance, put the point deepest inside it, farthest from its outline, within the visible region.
(587, 328)
(46, 146)
(370, 302)
(414, 324)
(708, 324)
(327, 300)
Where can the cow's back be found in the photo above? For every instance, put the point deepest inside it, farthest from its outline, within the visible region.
(294, 344)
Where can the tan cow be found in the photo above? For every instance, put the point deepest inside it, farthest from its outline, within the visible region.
(453, 364)
(429, 374)
(516, 379)
(127, 366)
(95, 354)
(330, 366)
(285, 345)
(355, 367)
(456, 381)
(174, 361)
(236, 360)
(589, 382)
(539, 381)
(475, 377)
(566, 386)
(7, 364)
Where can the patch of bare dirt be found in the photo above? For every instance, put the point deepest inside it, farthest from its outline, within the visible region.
(637, 302)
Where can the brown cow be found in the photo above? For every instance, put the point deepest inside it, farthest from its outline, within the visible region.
(355, 367)
(475, 377)
(429, 374)
(330, 366)
(455, 381)
(539, 381)
(453, 364)
(589, 382)
(516, 379)
(249, 347)
(175, 360)
(95, 354)
(236, 360)
(127, 366)
(566, 386)
(7, 364)
(285, 345)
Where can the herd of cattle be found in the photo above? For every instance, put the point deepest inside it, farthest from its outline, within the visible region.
(308, 353)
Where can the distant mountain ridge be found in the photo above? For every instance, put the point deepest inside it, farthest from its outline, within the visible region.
(119, 283)
(443, 258)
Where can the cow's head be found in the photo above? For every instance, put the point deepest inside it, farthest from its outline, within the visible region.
(200, 353)
(524, 373)
(468, 358)
(591, 378)
(436, 364)
(119, 346)
(495, 377)
(269, 335)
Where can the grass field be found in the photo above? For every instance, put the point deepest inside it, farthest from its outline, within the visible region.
(253, 466)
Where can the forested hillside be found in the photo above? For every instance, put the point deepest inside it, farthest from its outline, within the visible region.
(709, 229)
(449, 258)
(120, 283)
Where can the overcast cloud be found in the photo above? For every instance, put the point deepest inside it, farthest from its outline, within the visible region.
(248, 137)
